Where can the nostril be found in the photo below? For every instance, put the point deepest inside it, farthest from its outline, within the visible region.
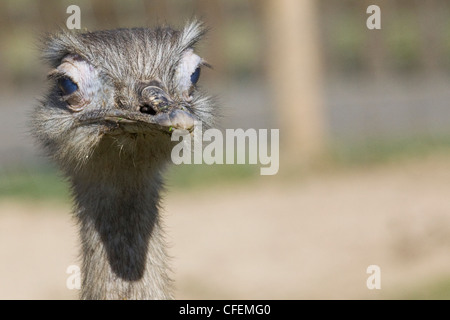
(147, 109)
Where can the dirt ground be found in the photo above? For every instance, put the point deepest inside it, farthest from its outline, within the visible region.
(308, 238)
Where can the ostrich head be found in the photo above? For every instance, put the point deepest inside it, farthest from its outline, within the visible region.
(120, 93)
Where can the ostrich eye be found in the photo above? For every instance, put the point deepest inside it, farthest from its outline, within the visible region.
(195, 76)
(67, 85)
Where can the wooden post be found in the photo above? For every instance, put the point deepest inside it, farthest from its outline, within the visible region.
(294, 70)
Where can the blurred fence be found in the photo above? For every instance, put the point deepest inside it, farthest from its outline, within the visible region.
(414, 38)
(415, 35)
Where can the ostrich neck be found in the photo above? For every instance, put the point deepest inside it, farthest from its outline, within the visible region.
(123, 252)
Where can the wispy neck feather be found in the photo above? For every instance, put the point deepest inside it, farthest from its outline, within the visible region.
(123, 249)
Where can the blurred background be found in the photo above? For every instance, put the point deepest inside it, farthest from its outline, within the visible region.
(364, 178)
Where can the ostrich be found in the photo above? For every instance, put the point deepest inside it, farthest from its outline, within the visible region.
(115, 97)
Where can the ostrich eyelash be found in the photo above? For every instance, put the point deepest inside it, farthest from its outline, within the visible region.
(205, 64)
(55, 75)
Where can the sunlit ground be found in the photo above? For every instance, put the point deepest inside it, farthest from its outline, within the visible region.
(236, 235)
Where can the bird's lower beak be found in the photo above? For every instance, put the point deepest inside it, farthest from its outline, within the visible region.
(175, 118)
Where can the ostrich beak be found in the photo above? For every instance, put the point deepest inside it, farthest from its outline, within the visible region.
(156, 111)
